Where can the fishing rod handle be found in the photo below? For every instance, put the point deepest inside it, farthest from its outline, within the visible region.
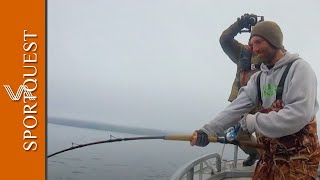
(251, 144)
(186, 138)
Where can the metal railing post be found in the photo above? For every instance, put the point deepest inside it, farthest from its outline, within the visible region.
(190, 174)
(201, 171)
(235, 156)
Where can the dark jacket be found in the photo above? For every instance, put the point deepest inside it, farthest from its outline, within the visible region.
(240, 54)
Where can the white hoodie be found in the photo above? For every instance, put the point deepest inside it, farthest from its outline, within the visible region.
(299, 98)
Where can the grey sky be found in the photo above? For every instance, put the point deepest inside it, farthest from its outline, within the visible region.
(157, 64)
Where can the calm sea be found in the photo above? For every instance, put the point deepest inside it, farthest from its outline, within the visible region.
(134, 160)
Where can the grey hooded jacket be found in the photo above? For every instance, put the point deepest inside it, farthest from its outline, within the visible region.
(299, 97)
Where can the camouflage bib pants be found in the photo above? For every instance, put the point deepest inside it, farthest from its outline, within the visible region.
(292, 157)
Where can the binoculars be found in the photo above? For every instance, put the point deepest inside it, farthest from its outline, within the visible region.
(253, 20)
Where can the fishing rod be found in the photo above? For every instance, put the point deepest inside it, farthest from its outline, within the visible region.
(168, 137)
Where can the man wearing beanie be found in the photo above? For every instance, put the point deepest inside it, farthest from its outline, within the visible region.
(247, 64)
(285, 90)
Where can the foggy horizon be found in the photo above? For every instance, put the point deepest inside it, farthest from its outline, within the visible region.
(157, 64)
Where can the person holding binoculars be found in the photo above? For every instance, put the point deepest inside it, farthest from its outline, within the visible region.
(247, 64)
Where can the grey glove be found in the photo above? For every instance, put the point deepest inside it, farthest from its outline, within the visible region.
(202, 138)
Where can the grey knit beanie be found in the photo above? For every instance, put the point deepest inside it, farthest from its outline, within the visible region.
(269, 31)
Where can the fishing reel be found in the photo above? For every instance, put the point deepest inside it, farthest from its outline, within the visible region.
(253, 20)
(232, 133)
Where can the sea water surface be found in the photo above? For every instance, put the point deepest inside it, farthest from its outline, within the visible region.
(129, 160)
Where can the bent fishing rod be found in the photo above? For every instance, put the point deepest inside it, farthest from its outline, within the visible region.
(168, 137)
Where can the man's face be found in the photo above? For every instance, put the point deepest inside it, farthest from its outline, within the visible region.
(262, 49)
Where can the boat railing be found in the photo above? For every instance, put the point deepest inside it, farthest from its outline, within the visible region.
(203, 163)
(204, 168)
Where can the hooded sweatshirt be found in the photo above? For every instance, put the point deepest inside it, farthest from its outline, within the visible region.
(299, 98)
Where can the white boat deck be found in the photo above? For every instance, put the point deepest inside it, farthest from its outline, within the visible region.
(210, 167)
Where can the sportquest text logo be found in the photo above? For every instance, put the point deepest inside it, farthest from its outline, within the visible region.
(27, 91)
